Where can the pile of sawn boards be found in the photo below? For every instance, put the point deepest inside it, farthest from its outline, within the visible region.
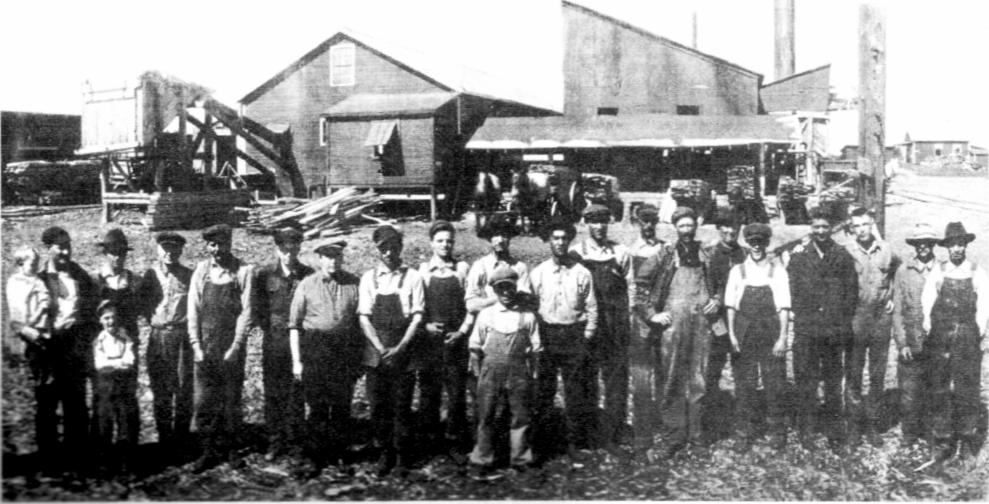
(328, 216)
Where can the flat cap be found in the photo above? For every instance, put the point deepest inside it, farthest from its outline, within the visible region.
(683, 213)
(757, 231)
(54, 235)
(441, 225)
(647, 213)
(331, 248)
(218, 233)
(727, 217)
(597, 213)
(288, 235)
(503, 274)
(169, 237)
(384, 233)
(923, 232)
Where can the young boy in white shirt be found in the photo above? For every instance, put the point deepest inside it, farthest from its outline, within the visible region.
(116, 394)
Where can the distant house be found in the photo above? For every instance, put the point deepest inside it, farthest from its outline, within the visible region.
(29, 136)
(919, 151)
(373, 114)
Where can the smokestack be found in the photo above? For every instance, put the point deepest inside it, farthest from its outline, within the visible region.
(785, 41)
(695, 29)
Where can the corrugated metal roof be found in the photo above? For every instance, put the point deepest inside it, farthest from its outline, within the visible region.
(641, 130)
(380, 134)
(384, 105)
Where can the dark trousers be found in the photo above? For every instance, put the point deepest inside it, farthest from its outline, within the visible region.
(328, 389)
(755, 359)
(219, 386)
(609, 356)
(720, 352)
(820, 357)
(59, 373)
(451, 375)
(957, 360)
(284, 407)
(391, 389)
(916, 378)
(572, 366)
(644, 362)
(870, 346)
(170, 365)
(116, 409)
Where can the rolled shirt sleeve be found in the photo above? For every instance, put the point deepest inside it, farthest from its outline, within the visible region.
(195, 301)
(248, 298)
(297, 310)
(590, 304)
(929, 295)
(732, 288)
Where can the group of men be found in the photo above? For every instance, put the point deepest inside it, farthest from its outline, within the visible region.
(663, 317)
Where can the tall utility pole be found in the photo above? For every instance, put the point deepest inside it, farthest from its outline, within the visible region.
(785, 42)
(872, 110)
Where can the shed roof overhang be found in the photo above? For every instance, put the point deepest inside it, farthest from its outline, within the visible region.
(643, 130)
(389, 105)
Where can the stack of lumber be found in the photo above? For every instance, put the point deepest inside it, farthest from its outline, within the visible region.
(790, 190)
(741, 183)
(328, 216)
(190, 210)
(694, 193)
(599, 188)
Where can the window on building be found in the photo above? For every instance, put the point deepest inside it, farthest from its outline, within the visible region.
(342, 68)
(386, 148)
(937, 152)
(609, 111)
(688, 110)
(324, 132)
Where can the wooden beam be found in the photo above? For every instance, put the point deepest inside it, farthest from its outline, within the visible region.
(229, 115)
(872, 109)
(263, 149)
(241, 154)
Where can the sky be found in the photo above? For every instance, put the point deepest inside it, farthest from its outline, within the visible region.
(935, 50)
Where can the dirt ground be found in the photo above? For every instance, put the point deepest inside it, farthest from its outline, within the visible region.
(719, 473)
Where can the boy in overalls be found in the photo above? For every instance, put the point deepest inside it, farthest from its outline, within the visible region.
(115, 356)
(390, 308)
(956, 315)
(503, 347)
(758, 301)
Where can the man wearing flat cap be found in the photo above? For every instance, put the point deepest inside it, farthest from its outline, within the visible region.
(824, 294)
(956, 315)
(674, 298)
(876, 264)
(221, 311)
(74, 326)
(568, 319)
(611, 267)
(163, 296)
(498, 231)
(390, 308)
(908, 330)
(284, 409)
(758, 301)
(725, 254)
(442, 349)
(326, 348)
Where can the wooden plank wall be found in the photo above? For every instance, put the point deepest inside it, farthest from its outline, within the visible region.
(351, 164)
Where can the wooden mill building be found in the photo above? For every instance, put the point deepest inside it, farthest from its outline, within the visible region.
(372, 114)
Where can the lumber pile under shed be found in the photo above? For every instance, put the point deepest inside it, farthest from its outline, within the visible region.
(328, 216)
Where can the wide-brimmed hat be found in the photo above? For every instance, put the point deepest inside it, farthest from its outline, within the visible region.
(54, 235)
(385, 233)
(953, 231)
(923, 232)
(114, 240)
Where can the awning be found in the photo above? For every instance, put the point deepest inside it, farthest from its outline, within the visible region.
(389, 105)
(380, 134)
(641, 130)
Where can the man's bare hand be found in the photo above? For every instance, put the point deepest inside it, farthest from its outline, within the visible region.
(297, 370)
(735, 347)
(453, 337)
(906, 355)
(711, 307)
(779, 349)
(231, 354)
(197, 354)
(662, 319)
(889, 306)
(435, 328)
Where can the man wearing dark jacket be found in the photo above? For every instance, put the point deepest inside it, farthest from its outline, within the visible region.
(824, 292)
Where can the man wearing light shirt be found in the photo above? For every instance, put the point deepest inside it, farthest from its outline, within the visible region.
(499, 231)
(568, 319)
(758, 301)
(956, 312)
(221, 309)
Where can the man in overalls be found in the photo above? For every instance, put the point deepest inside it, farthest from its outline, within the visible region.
(164, 300)
(390, 308)
(914, 370)
(758, 301)
(675, 296)
(824, 294)
(645, 363)
(567, 321)
(876, 264)
(956, 314)
(326, 345)
(221, 309)
(611, 268)
(444, 344)
(284, 408)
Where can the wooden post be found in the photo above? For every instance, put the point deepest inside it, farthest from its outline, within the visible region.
(104, 181)
(432, 202)
(207, 151)
(785, 40)
(872, 109)
(760, 170)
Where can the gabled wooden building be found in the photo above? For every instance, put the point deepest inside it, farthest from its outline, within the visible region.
(368, 113)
